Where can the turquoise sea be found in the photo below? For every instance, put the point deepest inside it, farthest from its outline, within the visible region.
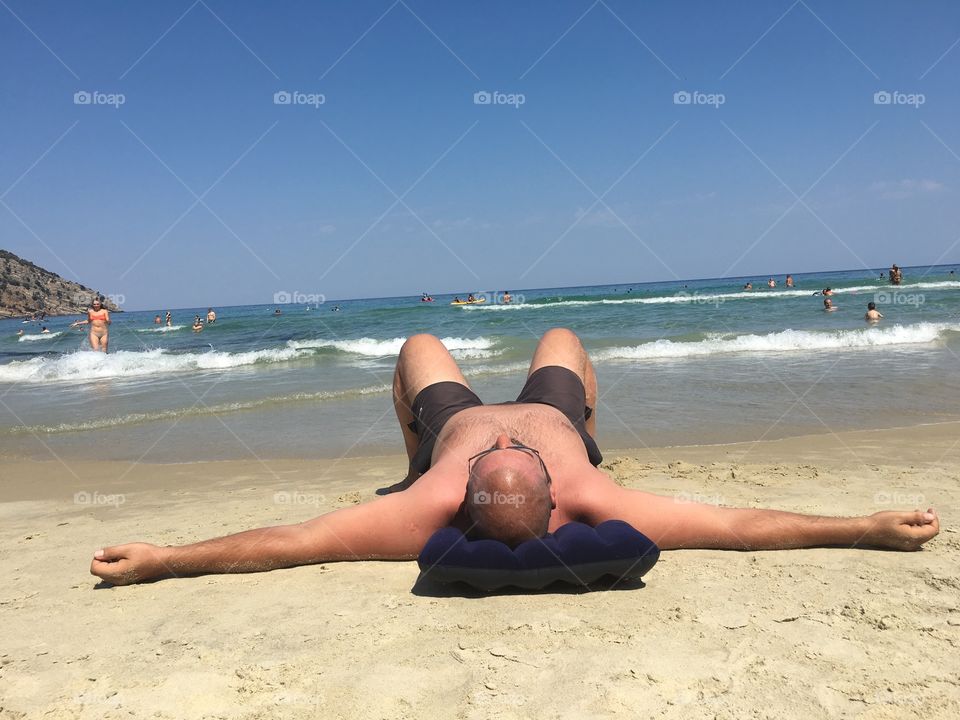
(700, 361)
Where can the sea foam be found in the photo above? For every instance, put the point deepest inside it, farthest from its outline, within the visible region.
(371, 347)
(783, 341)
(88, 365)
(39, 336)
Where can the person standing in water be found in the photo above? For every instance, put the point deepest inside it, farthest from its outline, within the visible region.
(896, 275)
(98, 318)
(789, 281)
(873, 315)
(169, 319)
(211, 316)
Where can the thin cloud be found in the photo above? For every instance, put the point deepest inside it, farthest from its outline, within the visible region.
(908, 187)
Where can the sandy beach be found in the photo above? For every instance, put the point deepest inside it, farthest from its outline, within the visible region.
(799, 633)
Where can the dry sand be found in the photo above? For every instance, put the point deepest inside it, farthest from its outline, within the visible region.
(798, 633)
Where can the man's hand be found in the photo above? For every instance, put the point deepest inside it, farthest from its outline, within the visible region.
(901, 530)
(127, 564)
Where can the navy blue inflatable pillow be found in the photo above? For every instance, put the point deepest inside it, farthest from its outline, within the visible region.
(575, 554)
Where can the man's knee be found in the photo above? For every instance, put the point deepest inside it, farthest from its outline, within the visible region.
(561, 335)
(420, 343)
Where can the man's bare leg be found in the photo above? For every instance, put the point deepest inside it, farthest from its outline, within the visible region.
(423, 361)
(560, 346)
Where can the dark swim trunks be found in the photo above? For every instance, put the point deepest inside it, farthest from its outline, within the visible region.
(552, 385)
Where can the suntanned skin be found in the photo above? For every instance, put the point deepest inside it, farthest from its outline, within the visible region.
(397, 526)
(99, 336)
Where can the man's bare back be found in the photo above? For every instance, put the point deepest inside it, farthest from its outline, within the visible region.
(547, 453)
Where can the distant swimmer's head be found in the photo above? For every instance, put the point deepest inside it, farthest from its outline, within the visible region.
(871, 306)
(509, 493)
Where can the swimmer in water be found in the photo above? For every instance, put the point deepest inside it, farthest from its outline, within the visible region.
(197, 324)
(277, 311)
(873, 315)
(157, 320)
(507, 298)
(771, 283)
(748, 286)
(211, 316)
(44, 329)
(828, 305)
(789, 281)
(98, 318)
(169, 319)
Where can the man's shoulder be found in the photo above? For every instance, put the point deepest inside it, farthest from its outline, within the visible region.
(583, 490)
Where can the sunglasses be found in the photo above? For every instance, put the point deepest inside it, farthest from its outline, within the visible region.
(471, 463)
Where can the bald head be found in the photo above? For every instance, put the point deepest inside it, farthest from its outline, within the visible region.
(509, 498)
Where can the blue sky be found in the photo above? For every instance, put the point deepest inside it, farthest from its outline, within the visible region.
(199, 189)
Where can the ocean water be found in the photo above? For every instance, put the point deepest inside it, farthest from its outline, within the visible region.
(678, 363)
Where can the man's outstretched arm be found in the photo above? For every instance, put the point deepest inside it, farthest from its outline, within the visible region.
(674, 524)
(395, 527)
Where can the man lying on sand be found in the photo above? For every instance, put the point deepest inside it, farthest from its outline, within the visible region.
(471, 465)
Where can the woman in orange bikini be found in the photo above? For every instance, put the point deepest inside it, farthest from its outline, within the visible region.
(98, 318)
